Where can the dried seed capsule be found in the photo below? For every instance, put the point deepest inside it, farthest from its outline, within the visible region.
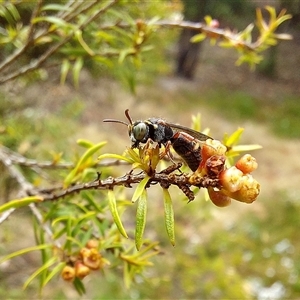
(214, 165)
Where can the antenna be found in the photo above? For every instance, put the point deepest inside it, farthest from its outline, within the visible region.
(127, 116)
(119, 121)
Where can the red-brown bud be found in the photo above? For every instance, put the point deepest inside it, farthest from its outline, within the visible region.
(212, 147)
(218, 198)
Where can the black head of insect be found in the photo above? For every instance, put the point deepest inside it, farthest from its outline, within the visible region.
(141, 131)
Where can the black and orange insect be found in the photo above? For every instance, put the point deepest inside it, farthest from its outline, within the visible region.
(185, 141)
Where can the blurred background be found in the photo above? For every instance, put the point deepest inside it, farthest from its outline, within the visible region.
(241, 251)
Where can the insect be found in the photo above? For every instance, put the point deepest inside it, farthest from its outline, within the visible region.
(185, 141)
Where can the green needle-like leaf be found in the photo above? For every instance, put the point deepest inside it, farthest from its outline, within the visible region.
(23, 251)
(84, 143)
(65, 67)
(197, 38)
(140, 189)
(116, 156)
(76, 70)
(57, 269)
(88, 153)
(234, 137)
(43, 268)
(17, 203)
(113, 209)
(169, 216)
(79, 286)
(141, 219)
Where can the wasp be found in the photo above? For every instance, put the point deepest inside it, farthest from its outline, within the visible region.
(185, 141)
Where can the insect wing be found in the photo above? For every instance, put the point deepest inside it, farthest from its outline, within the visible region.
(196, 134)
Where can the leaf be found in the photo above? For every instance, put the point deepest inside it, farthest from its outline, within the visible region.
(17, 203)
(234, 137)
(243, 148)
(56, 7)
(76, 70)
(79, 286)
(113, 209)
(84, 45)
(60, 219)
(92, 204)
(123, 16)
(101, 34)
(196, 122)
(126, 275)
(85, 143)
(141, 214)
(43, 268)
(124, 53)
(13, 12)
(54, 271)
(87, 154)
(169, 216)
(23, 251)
(140, 189)
(65, 67)
(197, 38)
(116, 156)
(50, 19)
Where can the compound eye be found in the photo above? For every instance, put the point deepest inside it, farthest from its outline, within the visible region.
(139, 131)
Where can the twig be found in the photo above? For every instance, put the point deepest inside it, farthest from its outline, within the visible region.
(20, 160)
(182, 181)
(31, 28)
(12, 58)
(25, 189)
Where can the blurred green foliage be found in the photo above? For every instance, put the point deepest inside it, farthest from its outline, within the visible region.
(97, 35)
(281, 116)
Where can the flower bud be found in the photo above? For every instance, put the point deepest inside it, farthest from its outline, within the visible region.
(93, 260)
(247, 164)
(214, 23)
(84, 252)
(68, 273)
(230, 179)
(218, 198)
(212, 147)
(249, 190)
(92, 244)
(81, 270)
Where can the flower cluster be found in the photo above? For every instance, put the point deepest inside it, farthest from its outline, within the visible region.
(88, 259)
(236, 182)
